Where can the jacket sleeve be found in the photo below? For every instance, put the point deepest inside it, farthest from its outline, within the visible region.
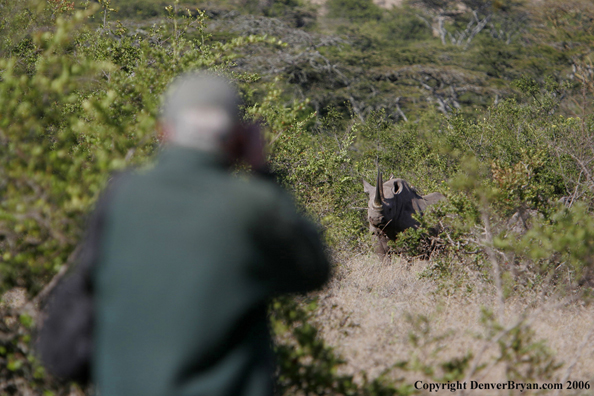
(295, 258)
(91, 243)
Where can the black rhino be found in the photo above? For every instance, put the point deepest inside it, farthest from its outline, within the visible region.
(391, 208)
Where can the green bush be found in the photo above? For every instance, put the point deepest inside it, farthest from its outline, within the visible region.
(402, 25)
(308, 366)
(354, 10)
(140, 9)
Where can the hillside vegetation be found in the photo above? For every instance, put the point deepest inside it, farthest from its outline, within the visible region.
(486, 101)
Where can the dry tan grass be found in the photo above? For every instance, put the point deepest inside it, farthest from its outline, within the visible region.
(363, 314)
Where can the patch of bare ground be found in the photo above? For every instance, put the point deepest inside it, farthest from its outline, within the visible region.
(381, 3)
(371, 309)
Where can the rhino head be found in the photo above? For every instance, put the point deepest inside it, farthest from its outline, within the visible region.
(391, 207)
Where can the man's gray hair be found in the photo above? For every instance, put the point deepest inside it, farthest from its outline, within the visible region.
(202, 108)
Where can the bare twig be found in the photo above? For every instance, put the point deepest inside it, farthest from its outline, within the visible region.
(44, 293)
(488, 244)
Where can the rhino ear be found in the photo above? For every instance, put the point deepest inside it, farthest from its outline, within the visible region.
(433, 198)
(398, 186)
(368, 188)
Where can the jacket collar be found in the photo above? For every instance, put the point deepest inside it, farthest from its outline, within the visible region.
(179, 157)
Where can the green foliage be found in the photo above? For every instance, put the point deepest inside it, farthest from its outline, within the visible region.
(508, 169)
(522, 357)
(354, 10)
(20, 371)
(427, 347)
(46, 190)
(523, 182)
(525, 359)
(321, 177)
(408, 150)
(298, 13)
(316, 166)
(308, 366)
(17, 19)
(89, 108)
(414, 242)
(567, 237)
(401, 25)
(140, 9)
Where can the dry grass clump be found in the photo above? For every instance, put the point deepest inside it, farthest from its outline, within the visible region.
(377, 314)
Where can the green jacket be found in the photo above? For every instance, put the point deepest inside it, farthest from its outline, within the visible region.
(188, 259)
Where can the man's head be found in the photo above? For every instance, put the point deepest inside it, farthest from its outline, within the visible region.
(201, 111)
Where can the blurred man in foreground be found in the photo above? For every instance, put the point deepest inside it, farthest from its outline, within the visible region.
(188, 257)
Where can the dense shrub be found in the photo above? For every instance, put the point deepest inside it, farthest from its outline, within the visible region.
(354, 10)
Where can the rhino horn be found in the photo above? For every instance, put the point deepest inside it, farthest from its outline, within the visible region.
(379, 191)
